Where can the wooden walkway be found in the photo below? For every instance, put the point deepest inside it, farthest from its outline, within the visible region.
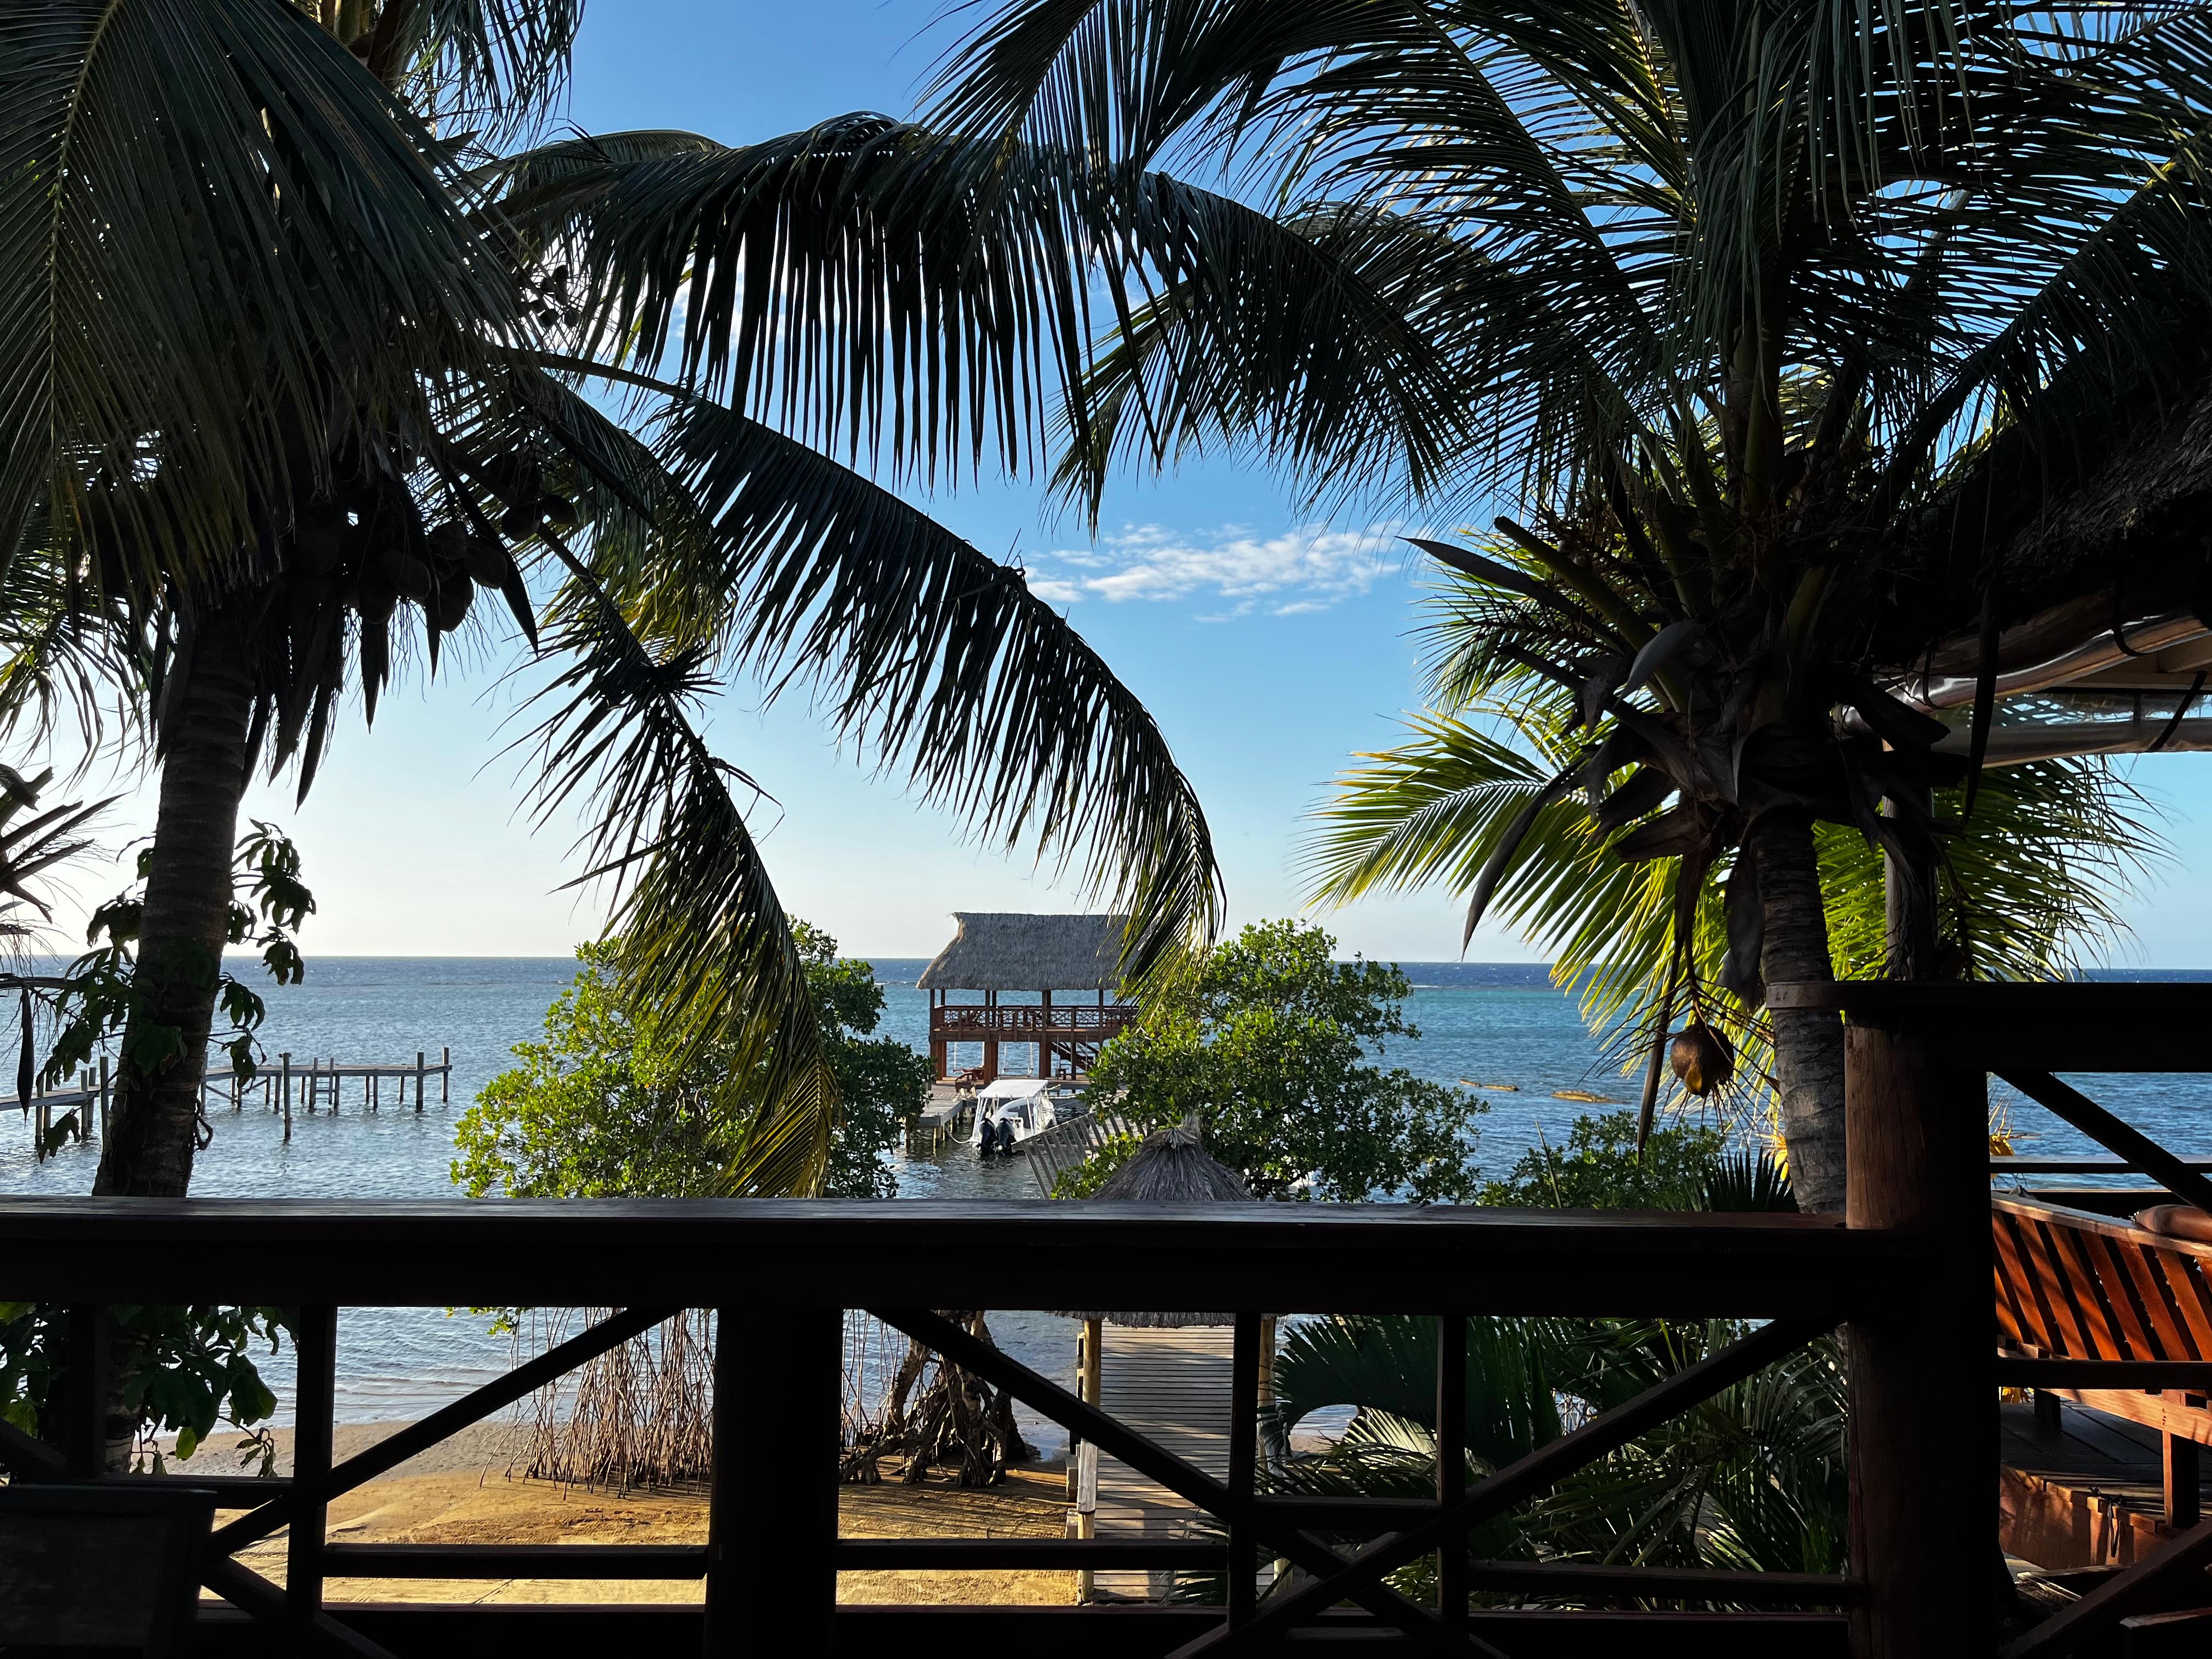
(1173, 1388)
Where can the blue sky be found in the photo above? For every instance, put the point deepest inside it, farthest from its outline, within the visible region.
(1269, 646)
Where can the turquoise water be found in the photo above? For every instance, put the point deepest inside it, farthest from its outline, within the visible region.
(1486, 1022)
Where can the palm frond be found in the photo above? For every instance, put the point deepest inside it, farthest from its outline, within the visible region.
(928, 654)
(490, 69)
(213, 216)
(704, 940)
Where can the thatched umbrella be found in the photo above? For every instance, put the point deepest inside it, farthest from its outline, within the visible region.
(1171, 1167)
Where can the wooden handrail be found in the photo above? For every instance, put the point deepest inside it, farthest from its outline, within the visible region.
(1030, 1253)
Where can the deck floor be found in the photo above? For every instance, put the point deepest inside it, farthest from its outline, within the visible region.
(2089, 1492)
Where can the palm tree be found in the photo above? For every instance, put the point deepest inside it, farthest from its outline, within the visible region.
(2029, 888)
(284, 387)
(1705, 309)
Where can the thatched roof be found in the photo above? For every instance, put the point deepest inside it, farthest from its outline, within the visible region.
(1172, 1167)
(2106, 588)
(995, 950)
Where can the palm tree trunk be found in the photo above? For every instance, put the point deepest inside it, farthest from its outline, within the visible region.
(185, 921)
(1809, 1045)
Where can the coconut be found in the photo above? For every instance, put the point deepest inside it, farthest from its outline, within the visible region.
(1702, 1060)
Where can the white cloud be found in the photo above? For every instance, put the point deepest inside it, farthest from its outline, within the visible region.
(1312, 566)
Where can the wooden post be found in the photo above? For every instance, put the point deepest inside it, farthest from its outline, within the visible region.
(2182, 1482)
(103, 1096)
(1924, 1430)
(1243, 1462)
(445, 1073)
(772, 1528)
(84, 1391)
(1451, 1467)
(1091, 1375)
(420, 1074)
(317, 1343)
(287, 1092)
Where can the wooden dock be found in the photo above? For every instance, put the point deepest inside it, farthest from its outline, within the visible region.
(73, 1113)
(321, 1083)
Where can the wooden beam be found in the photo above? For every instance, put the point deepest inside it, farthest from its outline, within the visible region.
(1243, 1462)
(2022, 1372)
(772, 1531)
(1452, 1581)
(250, 1593)
(1598, 1583)
(2128, 1589)
(1025, 1554)
(2075, 1025)
(1924, 1448)
(697, 1252)
(315, 1341)
(27, 1458)
(2181, 1481)
(552, 1631)
(84, 1382)
(2072, 1106)
(657, 1561)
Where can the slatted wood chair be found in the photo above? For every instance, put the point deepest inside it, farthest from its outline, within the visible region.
(87, 1571)
(2071, 1285)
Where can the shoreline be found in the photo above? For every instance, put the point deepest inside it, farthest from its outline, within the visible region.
(463, 1491)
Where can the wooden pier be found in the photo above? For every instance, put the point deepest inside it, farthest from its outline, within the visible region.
(321, 1083)
(315, 1083)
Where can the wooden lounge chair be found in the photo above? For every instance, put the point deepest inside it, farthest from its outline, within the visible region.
(100, 1570)
(2071, 1285)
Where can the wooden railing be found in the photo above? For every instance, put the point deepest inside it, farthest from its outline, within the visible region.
(781, 1274)
(1908, 1268)
(962, 1022)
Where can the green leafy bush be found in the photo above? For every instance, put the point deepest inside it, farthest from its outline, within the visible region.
(607, 1105)
(1272, 1045)
(183, 1370)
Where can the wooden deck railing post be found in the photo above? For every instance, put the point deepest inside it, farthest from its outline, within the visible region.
(316, 1338)
(1243, 1461)
(1451, 1465)
(84, 1391)
(772, 1531)
(1923, 1436)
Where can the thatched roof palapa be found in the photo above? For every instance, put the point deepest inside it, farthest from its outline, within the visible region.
(1172, 1167)
(996, 951)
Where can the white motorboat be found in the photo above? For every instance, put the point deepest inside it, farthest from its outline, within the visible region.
(1010, 1110)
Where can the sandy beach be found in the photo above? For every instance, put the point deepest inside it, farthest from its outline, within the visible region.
(469, 1490)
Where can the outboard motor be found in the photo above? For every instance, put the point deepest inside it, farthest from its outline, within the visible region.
(1005, 1137)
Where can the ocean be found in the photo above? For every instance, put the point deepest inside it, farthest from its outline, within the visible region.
(1486, 1022)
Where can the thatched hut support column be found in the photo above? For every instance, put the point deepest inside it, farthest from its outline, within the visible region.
(772, 1531)
(1924, 1439)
